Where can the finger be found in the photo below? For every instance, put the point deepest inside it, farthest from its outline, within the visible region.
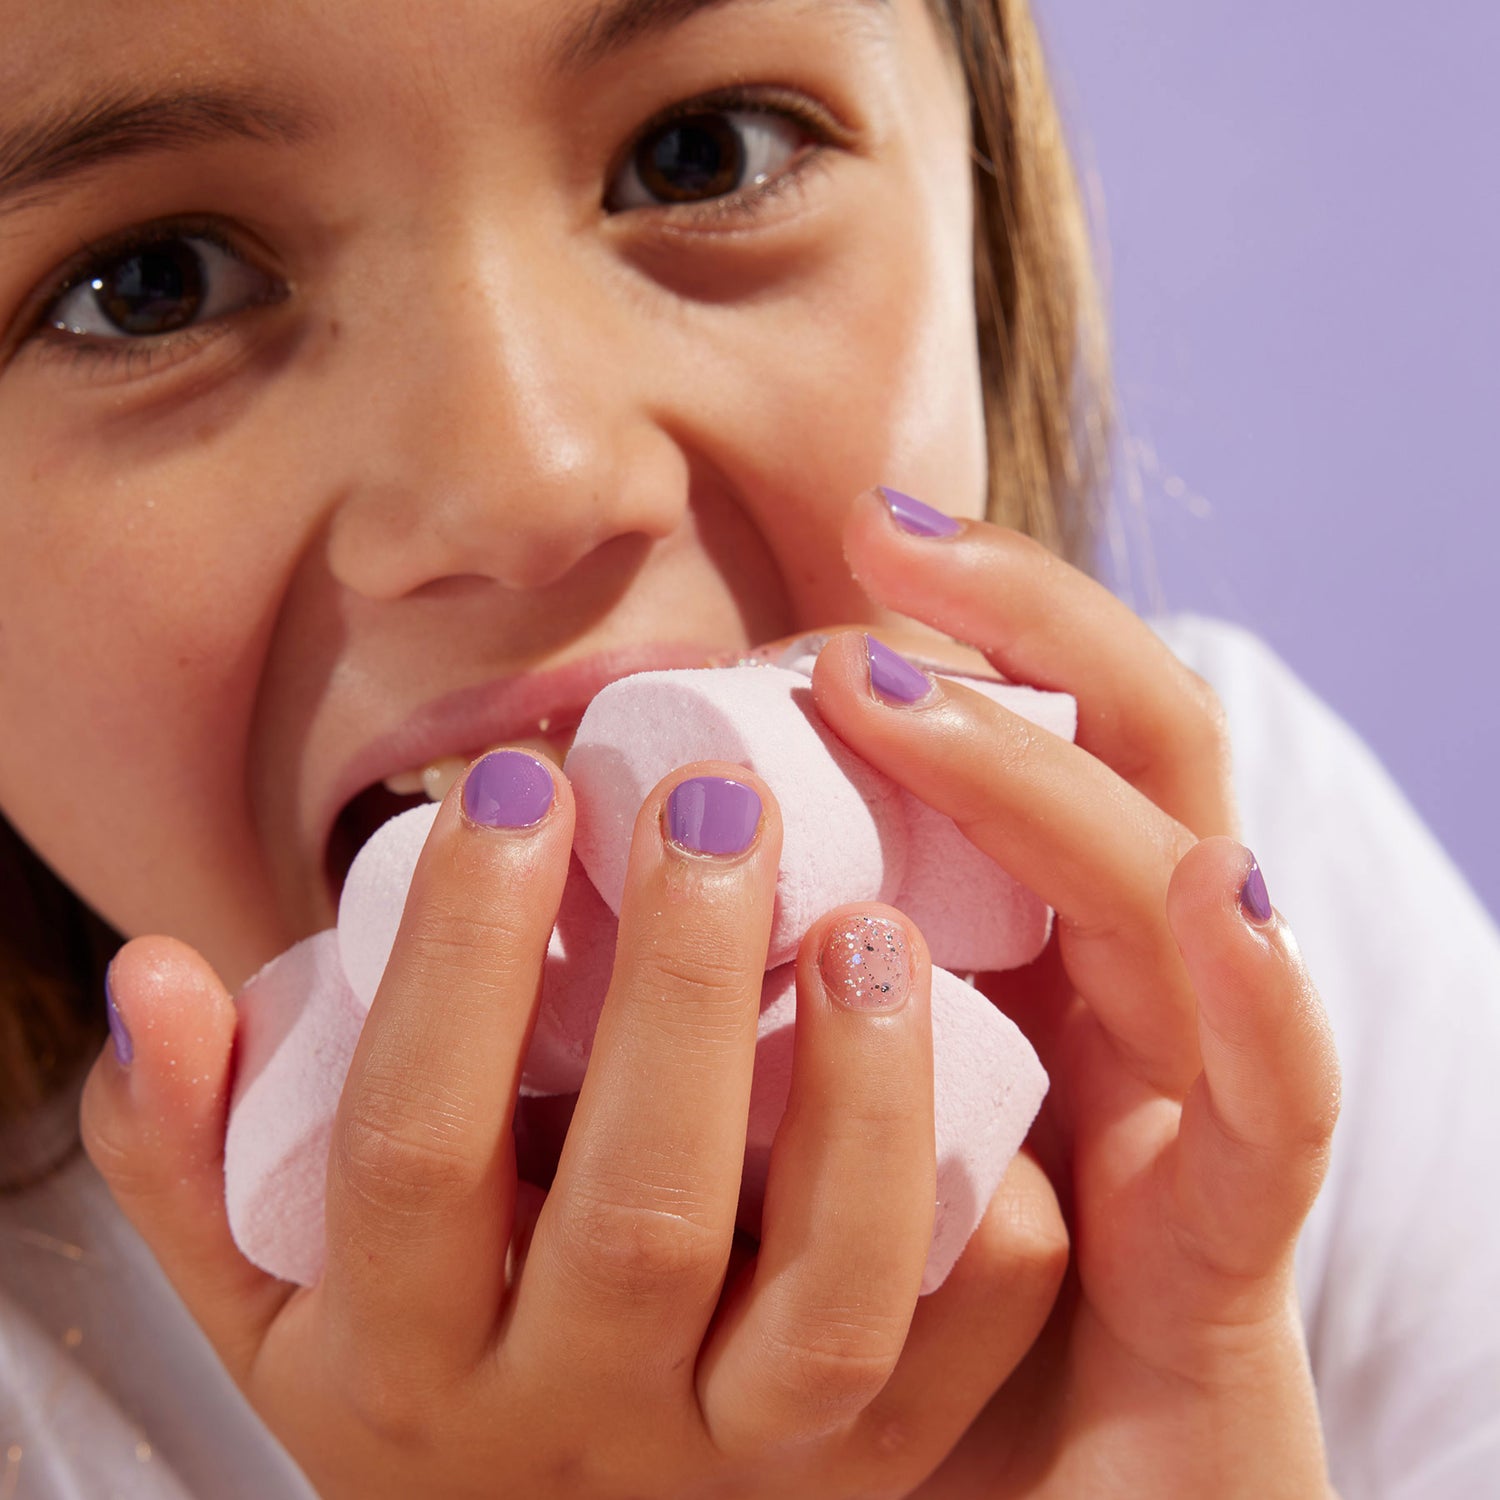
(154, 1127)
(631, 1248)
(1255, 1134)
(969, 1336)
(422, 1173)
(850, 1196)
(1141, 711)
(1053, 816)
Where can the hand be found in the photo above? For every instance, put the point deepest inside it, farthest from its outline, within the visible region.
(473, 1336)
(1194, 1082)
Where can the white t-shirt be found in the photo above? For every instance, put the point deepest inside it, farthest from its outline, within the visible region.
(107, 1389)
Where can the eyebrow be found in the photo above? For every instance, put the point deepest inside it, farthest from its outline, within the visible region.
(613, 25)
(42, 154)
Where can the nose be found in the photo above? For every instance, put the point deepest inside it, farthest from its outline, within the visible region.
(496, 427)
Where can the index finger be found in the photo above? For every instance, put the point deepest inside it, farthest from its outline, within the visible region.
(1038, 620)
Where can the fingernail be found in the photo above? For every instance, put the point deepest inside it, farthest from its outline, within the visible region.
(124, 1050)
(915, 518)
(507, 789)
(894, 678)
(866, 964)
(1254, 901)
(713, 815)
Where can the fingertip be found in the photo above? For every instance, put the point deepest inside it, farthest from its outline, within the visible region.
(716, 808)
(172, 1025)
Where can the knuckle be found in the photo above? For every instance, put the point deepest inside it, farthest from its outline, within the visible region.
(716, 979)
(1207, 722)
(640, 1249)
(396, 1151)
(836, 1360)
(452, 948)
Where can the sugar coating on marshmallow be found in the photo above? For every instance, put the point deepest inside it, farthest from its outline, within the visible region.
(298, 1023)
(987, 1083)
(844, 826)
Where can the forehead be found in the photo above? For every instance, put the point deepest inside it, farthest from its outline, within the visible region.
(82, 81)
(66, 37)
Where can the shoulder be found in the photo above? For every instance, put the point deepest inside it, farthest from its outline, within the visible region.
(1396, 1267)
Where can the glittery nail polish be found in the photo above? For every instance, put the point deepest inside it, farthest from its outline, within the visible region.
(866, 964)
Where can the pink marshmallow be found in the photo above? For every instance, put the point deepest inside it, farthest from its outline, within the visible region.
(849, 829)
(845, 835)
(987, 1085)
(847, 839)
(974, 916)
(298, 1025)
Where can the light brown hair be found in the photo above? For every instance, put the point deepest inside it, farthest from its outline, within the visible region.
(1043, 364)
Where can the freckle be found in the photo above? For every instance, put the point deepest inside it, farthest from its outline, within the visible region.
(333, 328)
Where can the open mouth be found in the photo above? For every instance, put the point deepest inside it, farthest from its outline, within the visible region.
(370, 809)
(558, 704)
(361, 816)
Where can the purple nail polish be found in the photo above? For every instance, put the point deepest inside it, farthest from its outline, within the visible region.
(124, 1049)
(894, 678)
(713, 815)
(507, 789)
(1254, 900)
(914, 517)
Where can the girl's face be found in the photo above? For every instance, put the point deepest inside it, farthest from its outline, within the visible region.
(407, 346)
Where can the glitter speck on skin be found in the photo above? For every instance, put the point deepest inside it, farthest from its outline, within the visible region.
(866, 964)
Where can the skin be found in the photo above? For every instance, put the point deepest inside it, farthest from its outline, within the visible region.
(484, 428)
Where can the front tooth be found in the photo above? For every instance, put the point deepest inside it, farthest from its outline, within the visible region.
(404, 783)
(440, 775)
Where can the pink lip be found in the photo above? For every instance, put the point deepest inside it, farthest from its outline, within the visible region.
(474, 718)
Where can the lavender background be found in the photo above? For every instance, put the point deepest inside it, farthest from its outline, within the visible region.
(1301, 219)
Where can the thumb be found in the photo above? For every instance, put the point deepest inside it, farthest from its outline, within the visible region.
(153, 1118)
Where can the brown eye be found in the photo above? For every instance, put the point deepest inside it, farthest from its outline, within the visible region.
(699, 157)
(707, 155)
(158, 287)
(153, 290)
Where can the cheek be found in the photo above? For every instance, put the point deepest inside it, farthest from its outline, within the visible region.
(128, 662)
(865, 370)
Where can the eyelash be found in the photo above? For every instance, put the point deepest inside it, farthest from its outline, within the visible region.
(729, 210)
(93, 256)
(747, 204)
